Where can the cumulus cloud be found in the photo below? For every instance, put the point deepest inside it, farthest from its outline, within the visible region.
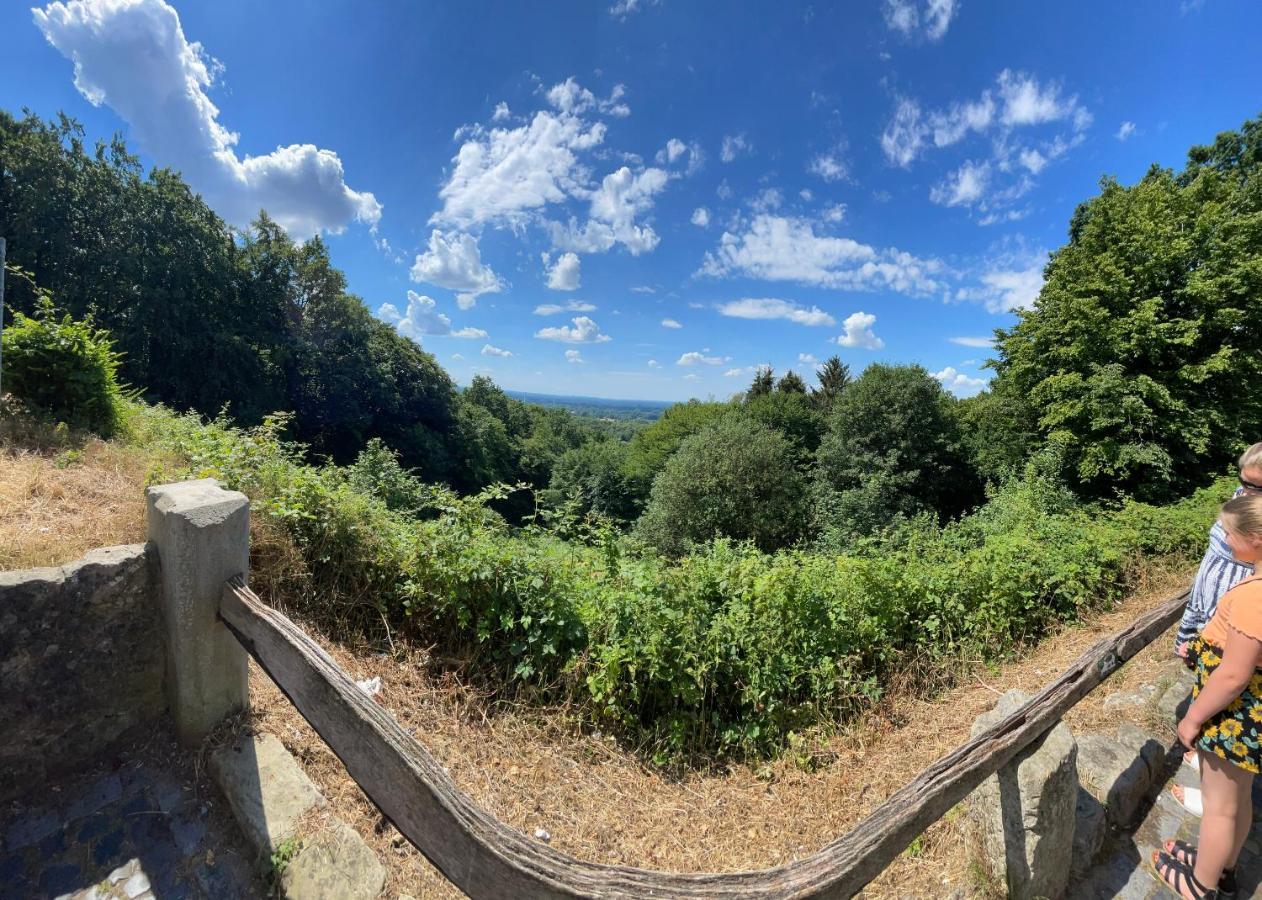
(781, 248)
(455, 262)
(671, 323)
(469, 332)
(583, 331)
(859, 332)
(551, 309)
(830, 167)
(1125, 130)
(565, 273)
(834, 213)
(421, 317)
(676, 150)
(574, 356)
(905, 17)
(1011, 284)
(695, 358)
(807, 358)
(734, 145)
(1026, 102)
(133, 56)
(701, 217)
(972, 341)
(488, 350)
(958, 383)
(654, 364)
(501, 112)
(621, 197)
(769, 308)
(904, 135)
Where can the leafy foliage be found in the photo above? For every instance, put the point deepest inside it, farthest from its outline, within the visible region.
(735, 479)
(64, 369)
(1140, 358)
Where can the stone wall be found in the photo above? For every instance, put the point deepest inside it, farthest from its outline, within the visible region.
(81, 661)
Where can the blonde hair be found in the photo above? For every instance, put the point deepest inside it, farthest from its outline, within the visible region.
(1244, 514)
(1251, 458)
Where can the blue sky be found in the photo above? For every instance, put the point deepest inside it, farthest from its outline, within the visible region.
(650, 199)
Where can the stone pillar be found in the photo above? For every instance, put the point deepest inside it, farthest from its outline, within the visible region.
(202, 533)
(1025, 811)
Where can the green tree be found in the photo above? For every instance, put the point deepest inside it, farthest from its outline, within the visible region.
(833, 376)
(652, 447)
(892, 449)
(736, 479)
(791, 413)
(1142, 352)
(764, 381)
(791, 383)
(594, 474)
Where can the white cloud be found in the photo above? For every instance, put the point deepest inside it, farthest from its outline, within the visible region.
(583, 331)
(830, 167)
(488, 350)
(972, 341)
(701, 217)
(624, 8)
(952, 124)
(958, 383)
(551, 309)
(807, 358)
(469, 332)
(1026, 102)
(904, 17)
(133, 56)
(422, 317)
(1125, 130)
(501, 112)
(724, 190)
(654, 364)
(834, 213)
(670, 323)
(963, 187)
(904, 135)
(574, 356)
(643, 289)
(694, 358)
(766, 200)
(455, 263)
(859, 332)
(733, 373)
(457, 357)
(1014, 286)
(734, 145)
(779, 248)
(674, 149)
(565, 273)
(769, 308)
(622, 196)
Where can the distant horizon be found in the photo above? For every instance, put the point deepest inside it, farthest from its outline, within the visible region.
(631, 401)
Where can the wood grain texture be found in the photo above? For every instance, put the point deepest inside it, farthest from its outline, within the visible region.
(487, 859)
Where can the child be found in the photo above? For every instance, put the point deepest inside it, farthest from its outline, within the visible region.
(1224, 722)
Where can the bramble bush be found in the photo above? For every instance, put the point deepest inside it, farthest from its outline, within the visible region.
(727, 651)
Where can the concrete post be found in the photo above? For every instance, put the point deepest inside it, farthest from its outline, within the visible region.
(202, 533)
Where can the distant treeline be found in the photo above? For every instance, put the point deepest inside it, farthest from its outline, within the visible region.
(1135, 374)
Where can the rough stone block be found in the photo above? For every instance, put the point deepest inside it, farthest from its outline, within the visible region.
(202, 533)
(334, 864)
(1172, 703)
(1091, 827)
(1117, 774)
(1026, 812)
(266, 788)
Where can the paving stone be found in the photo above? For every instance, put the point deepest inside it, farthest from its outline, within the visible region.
(334, 864)
(266, 788)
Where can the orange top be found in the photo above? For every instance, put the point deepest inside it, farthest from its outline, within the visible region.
(1240, 610)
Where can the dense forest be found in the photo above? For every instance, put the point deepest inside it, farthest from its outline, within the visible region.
(722, 575)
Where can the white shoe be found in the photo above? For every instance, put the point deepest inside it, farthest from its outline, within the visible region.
(1191, 800)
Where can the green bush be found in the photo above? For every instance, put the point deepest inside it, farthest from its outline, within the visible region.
(64, 369)
(734, 478)
(726, 652)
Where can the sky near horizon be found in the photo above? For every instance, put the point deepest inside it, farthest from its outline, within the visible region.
(651, 198)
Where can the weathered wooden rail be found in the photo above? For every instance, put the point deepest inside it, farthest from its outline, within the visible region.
(487, 859)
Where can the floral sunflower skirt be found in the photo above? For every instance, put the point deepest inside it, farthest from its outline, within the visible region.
(1235, 734)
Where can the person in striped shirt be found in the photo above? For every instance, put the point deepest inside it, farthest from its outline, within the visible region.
(1219, 571)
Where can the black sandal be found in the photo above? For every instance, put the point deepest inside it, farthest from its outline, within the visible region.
(1185, 853)
(1165, 864)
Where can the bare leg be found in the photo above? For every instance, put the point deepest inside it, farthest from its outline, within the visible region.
(1226, 792)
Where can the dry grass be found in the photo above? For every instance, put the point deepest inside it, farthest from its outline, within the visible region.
(536, 768)
(55, 505)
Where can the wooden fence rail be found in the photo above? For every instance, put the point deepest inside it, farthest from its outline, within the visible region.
(487, 859)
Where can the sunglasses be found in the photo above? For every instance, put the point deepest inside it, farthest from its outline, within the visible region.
(1250, 486)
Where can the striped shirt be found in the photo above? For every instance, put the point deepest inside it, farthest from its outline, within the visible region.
(1219, 573)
